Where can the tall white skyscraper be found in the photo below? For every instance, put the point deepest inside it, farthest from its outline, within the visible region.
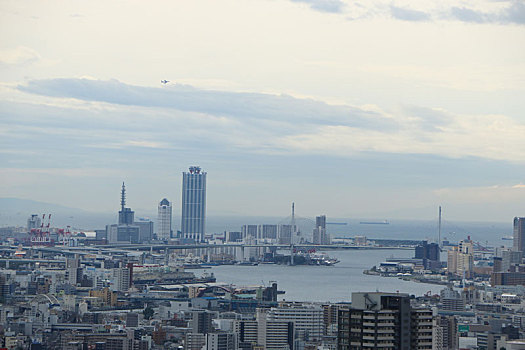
(164, 220)
(193, 222)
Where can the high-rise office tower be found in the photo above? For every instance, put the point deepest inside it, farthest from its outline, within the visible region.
(33, 222)
(268, 231)
(249, 233)
(145, 226)
(164, 220)
(193, 221)
(519, 234)
(430, 253)
(509, 258)
(284, 234)
(320, 221)
(319, 235)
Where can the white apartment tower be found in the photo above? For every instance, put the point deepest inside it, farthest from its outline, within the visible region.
(164, 220)
(121, 279)
(193, 221)
(307, 319)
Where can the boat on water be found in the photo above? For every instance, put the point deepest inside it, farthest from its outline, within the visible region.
(196, 266)
(320, 258)
(306, 258)
(206, 278)
(384, 222)
(247, 263)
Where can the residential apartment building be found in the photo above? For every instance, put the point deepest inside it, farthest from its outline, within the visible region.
(383, 321)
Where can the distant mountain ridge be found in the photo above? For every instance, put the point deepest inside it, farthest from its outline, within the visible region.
(15, 212)
(17, 204)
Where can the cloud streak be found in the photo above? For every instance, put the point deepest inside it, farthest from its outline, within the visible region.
(489, 137)
(481, 12)
(220, 103)
(84, 133)
(19, 55)
(159, 119)
(330, 6)
(514, 13)
(406, 14)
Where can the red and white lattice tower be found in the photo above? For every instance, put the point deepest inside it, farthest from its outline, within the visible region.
(36, 233)
(46, 236)
(64, 236)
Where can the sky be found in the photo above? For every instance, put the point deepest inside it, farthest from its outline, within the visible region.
(374, 109)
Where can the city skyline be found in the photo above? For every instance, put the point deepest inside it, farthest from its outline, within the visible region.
(366, 165)
(384, 109)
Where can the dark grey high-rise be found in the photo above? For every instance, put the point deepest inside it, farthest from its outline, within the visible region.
(320, 221)
(193, 221)
(519, 234)
(383, 321)
(319, 235)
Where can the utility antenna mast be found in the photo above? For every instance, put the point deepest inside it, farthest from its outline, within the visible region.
(439, 228)
(123, 197)
(292, 235)
(293, 217)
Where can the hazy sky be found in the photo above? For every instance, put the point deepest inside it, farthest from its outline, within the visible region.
(381, 109)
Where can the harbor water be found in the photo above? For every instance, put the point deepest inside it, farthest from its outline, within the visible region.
(325, 283)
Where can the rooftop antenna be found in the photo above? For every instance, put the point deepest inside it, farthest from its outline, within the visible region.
(293, 217)
(439, 228)
(123, 197)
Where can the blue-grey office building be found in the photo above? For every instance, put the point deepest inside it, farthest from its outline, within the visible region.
(193, 221)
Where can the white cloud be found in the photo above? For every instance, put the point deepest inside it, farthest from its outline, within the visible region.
(482, 194)
(131, 143)
(486, 136)
(406, 14)
(19, 55)
(320, 70)
(478, 11)
(255, 122)
(474, 77)
(331, 6)
(69, 172)
(256, 106)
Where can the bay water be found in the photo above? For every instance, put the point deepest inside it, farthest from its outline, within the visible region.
(325, 283)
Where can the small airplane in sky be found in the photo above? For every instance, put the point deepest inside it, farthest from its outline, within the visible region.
(164, 81)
